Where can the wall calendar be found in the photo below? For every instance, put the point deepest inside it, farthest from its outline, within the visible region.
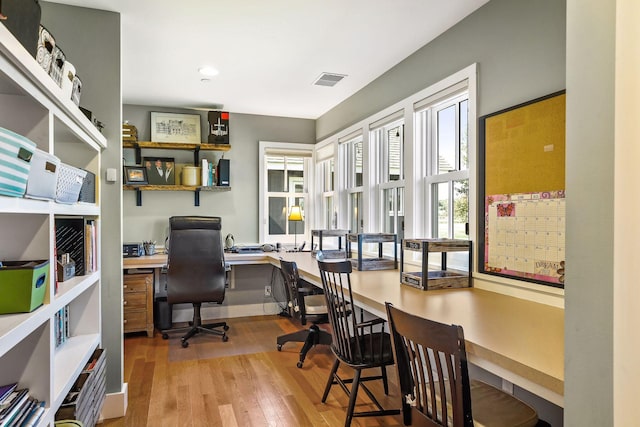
(525, 235)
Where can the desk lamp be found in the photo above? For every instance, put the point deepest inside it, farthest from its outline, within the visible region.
(295, 215)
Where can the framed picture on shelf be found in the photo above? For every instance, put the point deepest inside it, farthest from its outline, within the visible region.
(172, 127)
(135, 175)
(160, 170)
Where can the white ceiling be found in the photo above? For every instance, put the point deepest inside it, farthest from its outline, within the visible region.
(268, 53)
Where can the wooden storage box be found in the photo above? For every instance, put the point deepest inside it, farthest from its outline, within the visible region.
(380, 262)
(333, 252)
(439, 279)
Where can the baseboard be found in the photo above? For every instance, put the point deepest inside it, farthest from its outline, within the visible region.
(226, 312)
(115, 404)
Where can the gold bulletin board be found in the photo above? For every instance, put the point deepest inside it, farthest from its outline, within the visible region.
(523, 190)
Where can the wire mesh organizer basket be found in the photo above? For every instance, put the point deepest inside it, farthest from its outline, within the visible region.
(69, 183)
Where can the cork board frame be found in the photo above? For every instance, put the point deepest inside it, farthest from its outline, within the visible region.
(522, 163)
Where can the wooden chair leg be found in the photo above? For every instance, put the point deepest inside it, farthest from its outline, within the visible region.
(352, 397)
(334, 369)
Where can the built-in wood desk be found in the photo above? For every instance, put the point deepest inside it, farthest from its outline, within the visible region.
(518, 340)
(160, 260)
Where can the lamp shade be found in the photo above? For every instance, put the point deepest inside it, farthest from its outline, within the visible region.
(295, 214)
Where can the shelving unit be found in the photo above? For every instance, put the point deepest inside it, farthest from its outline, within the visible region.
(380, 262)
(444, 276)
(33, 105)
(196, 148)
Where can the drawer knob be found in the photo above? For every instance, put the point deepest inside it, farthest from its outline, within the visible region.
(124, 303)
(125, 286)
(124, 321)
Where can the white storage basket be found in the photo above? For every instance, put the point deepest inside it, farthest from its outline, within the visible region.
(69, 183)
(43, 176)
(16, 152)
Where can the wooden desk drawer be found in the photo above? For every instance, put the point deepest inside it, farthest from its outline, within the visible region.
(137, 282)
(135, 320)
(135, 300)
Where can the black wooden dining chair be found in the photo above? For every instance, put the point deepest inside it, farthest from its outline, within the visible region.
(434, 380)
(358, 344)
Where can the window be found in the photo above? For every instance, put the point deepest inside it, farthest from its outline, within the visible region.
(389, 140)
(284, 183)
(326, 178)
(354, 173)
(443, 128)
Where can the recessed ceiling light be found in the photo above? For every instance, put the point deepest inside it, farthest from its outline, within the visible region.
(208, 71)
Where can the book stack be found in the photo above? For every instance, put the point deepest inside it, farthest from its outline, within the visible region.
(129, 133)
(86, 397)
(17, 408)
(208, 173)
(61, 326)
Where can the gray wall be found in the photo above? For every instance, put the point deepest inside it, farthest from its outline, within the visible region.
(238, 207)
(91, 41)
(518, 44)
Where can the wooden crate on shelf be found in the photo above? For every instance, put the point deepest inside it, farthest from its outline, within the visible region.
(129, 133)
(333, 252)
(362, 262)
(443, 278)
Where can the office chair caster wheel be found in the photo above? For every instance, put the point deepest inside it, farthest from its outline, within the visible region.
(225, 327)
(225, 338)
(299, 364)
(185, 344)
(165, 336)
(279, 347)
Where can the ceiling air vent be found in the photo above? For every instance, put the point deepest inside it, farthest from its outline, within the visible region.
(329, 79)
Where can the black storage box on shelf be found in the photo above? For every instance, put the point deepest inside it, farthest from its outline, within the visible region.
(23, 20)
(218, 127)
(70, 238)
(88, 189)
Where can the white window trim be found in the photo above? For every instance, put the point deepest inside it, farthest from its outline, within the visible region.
(292, 149)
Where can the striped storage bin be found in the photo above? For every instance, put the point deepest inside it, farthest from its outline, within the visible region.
(16, 152)
(69, 183)
(43, 176)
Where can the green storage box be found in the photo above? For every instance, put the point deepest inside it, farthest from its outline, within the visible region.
(22, 285)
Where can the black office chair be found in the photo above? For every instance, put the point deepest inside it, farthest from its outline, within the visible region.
(196, 269)
(359, 344)
(303, 304)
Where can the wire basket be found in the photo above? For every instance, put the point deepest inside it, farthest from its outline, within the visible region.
(69, 183)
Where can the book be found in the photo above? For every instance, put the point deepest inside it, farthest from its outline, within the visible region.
(5, 391)
(24, 412)
(34, 416)
(9, 413)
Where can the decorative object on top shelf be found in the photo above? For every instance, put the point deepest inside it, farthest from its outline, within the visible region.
(129, 132)
(76, 90)
(22, 18)
(379, 262)
(160, 170)
(135, 175)
(45, 48)
(57, 65)
(16, 153)
(444, 277)
(218, 127)
(177, 128)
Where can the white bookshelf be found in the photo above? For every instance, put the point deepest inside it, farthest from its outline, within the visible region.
(33, 105)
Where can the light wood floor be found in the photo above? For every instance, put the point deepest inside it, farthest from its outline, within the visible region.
(249, 388)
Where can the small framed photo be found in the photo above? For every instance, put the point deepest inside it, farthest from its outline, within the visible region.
(135, 175)
(160, 170)
(172, 127)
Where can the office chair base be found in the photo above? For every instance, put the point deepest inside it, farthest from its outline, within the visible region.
(193, 330)
(310, 337)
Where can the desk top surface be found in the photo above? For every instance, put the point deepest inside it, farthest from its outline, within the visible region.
(520, 336)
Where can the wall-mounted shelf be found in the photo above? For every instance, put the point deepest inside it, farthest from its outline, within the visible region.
(196, 148)
(140, 188)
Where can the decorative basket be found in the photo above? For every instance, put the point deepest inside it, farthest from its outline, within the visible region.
(43, 176)
(88, 190)
(76, 90)
(69, 183)
(16, 152)
(46, 46)
(57, 65)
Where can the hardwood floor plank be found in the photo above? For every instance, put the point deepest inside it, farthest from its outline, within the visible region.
(255, 386)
